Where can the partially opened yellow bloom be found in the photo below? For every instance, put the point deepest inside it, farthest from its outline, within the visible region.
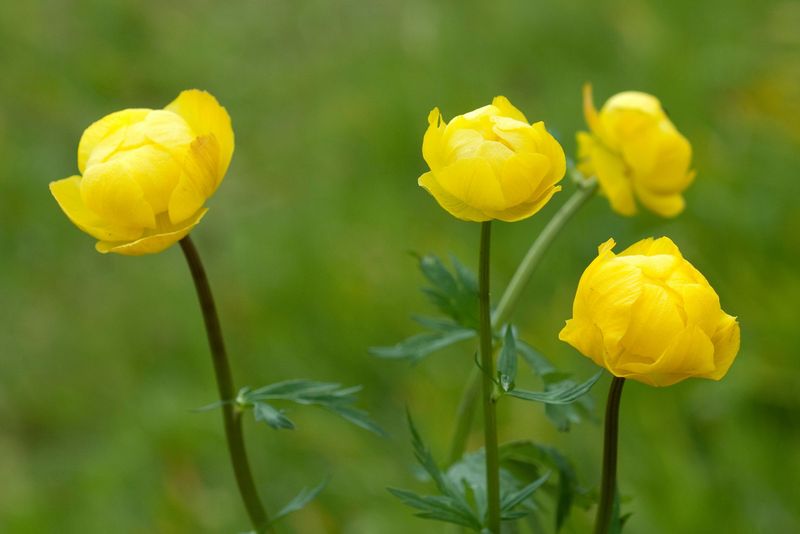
(635, 151)
(491, 163)
(649, 315)
(146, 174)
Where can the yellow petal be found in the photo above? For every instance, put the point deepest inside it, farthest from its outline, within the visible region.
(689, 354)
(589, 111)
(473, 182)
(198, 181)
(654, 320)
(100, 130)
(701, 305)
(206, 117)
(651, 247)
(153, 241)
(432, 148)
(67, 193)
(726, 342)
(455, 207)
(522, 177)
(663, 205)
(611, 175)
(526, 209)
(670, 171)
(110, 190)
(506, 109)
(585, 337)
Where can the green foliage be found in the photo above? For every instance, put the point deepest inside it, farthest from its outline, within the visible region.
(330, 396)
(462, 489)
(565, 392)
(507, 362)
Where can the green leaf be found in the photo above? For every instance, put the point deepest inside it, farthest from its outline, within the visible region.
(272, 416)
(437, 507)
(455, 295)
(330, 396)
(300, 500)
(511, 500)
(527, 455)
(564, 394)
(451, 505)
(420, 345)
(507, 363)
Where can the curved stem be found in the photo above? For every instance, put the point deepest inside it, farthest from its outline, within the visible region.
(231, 416)
(509, 300)
(487, 362)
(608, 485)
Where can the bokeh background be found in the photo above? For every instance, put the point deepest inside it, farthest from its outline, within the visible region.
(102, 358)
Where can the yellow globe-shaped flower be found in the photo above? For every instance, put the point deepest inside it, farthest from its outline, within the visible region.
(635, 152)
(649, 315)
(146, 174)
(491, 163)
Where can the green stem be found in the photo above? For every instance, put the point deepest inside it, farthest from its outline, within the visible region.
(231, 416)
(608, 484)
(509, 300)
(487, 363)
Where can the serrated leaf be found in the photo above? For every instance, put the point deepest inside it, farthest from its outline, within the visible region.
(507, 362)
(455, 295)
(328, 395)
(299, 501)
(565, 394)
(437, 507)
(272, 416)
(418, 346)
(511, 500)
(528, 453)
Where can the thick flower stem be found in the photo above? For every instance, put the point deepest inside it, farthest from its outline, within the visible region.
(231, 416)
(608, 485)
(509, 300)
(487, 364)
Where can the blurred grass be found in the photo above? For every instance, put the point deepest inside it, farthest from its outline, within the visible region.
(102, 358)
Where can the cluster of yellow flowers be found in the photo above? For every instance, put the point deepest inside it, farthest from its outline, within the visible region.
(646, 313)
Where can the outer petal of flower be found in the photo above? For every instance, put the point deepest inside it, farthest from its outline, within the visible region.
(726, 342)
(110, 190)
(651, 247)
(664, 205)
(101, 129)
(206, 117)
(507, 109)
(523, 177)
(67, 193)
(152, 243)
(585, 337)
(526, 209)
(474, 182)
(654, 319)
(432, 149)
(610, 171)
(198, 179)
(455, 207)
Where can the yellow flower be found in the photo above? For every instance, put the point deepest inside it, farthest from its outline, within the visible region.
(146, 174)
(634, 150)
(648, 314)
(491, 163)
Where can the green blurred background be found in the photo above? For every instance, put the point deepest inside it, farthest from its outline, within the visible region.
(102, 358)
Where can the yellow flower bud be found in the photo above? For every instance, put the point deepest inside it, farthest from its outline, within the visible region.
(146, 174)
(648, 314)
(491, 163)
(634, 150)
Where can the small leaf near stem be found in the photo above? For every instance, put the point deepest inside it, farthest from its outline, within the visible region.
(608, 485)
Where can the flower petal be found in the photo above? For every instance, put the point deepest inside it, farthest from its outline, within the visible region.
(473, 182)
(152, 243)
(206, 117)
(111, 190)
(507, 109)
(100, 130)
(726, 342)
(432, 148)
(611, 174)
(457, 208)
(67, 193)
(197, 181)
